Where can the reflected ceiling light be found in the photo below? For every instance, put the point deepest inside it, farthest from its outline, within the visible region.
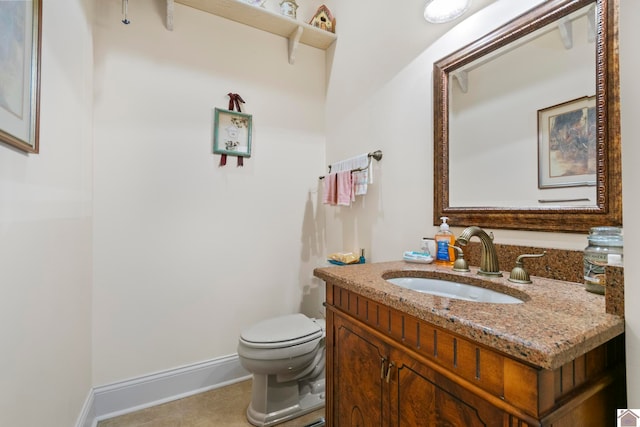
(439, 11)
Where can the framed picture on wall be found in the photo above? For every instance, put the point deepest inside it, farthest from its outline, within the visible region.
(20, 27)
(232, 133)
(567, 144)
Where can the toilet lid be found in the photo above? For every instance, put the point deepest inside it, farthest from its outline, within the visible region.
(282, 331)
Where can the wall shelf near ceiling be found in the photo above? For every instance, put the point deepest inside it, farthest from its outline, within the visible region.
(257, 17)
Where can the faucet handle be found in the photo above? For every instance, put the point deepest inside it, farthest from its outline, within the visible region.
(519, 274)
(460, 264)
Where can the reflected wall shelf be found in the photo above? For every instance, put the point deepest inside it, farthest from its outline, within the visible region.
(295, 31)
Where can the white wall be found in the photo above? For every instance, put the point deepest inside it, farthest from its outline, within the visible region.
(186, 252)
(390, 107)
(630, 103)
(45, 237)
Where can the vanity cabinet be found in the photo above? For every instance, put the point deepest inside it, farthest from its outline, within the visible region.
(379, 384)
(386, 367)
(359, 370)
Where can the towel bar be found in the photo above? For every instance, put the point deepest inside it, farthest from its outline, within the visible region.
(374, 154)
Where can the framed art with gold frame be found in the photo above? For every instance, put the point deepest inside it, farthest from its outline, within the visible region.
(20, 33)
(567, 144)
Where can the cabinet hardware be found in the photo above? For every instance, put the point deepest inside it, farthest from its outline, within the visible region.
(382, 362)
(391, 365)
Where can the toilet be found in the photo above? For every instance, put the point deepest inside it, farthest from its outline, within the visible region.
(286, 355)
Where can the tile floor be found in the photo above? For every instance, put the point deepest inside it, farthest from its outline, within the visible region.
(223, 407)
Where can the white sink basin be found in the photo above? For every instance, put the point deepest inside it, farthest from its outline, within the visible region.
(447, 289)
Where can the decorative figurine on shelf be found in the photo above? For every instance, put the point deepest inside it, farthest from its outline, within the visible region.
(288, 8)
(324, 20)
(259, 3)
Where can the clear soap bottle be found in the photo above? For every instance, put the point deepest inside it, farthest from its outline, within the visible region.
(444, 240)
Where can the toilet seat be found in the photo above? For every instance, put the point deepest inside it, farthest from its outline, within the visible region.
(286, 356)
(282, 331)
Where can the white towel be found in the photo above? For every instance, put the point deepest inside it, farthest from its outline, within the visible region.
(357, 162)
(360, 183)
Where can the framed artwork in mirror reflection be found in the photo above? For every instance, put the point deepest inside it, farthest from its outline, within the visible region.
(567, 144)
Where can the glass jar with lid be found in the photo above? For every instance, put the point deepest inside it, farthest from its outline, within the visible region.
(605, 248)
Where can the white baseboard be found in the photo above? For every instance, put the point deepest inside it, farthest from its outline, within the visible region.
(138, 393)
(87, 414)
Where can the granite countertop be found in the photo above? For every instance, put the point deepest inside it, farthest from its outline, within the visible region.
(557, 322)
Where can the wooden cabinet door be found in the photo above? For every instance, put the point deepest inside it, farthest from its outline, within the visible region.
(360, 361)
(421, 397)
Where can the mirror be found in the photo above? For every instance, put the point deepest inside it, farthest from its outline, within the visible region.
(526, 123)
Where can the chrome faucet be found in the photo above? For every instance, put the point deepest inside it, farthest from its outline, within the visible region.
(489, 257)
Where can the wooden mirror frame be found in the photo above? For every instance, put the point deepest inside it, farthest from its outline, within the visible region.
(608, 208)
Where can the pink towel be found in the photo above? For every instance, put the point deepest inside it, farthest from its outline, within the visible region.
(344, 188)
(330, 194)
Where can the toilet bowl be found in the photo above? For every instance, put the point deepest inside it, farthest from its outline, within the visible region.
(286, 355)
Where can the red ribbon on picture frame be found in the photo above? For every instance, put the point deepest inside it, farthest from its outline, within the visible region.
(234, 102)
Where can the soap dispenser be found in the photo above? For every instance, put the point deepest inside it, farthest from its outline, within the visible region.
(444, 242)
